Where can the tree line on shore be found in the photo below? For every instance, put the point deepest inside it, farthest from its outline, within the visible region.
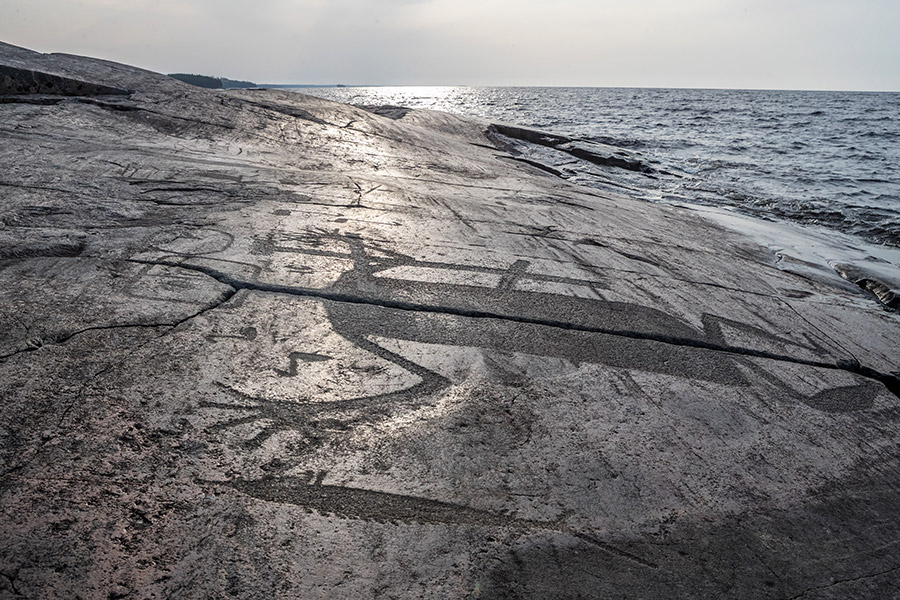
(214, 83)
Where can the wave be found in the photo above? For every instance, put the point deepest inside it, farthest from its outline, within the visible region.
(870, 180)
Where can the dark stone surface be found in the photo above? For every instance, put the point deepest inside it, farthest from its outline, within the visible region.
(869, 279)
(597, 154)
(15, 81)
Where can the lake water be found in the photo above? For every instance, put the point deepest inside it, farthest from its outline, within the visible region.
(830, 159)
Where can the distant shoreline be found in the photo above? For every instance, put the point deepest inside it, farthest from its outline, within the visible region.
(311, 85)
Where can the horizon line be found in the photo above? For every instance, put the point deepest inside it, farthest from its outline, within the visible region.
(620, 87)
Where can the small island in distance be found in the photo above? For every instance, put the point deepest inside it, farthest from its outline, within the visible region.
(215, 83)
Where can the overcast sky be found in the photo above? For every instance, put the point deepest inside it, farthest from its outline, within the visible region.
(793, 44)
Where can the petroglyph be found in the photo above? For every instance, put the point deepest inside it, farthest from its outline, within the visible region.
(642, 334)
(296, 357)
(383, 507)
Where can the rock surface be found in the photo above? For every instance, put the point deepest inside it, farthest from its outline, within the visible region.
(255, 344)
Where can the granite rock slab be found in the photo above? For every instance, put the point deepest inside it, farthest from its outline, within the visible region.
(255, 344)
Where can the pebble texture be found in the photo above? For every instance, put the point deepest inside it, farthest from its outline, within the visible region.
(255, 344)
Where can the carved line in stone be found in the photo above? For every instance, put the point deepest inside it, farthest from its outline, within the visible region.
(383, 507)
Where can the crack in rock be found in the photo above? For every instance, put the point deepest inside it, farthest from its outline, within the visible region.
(844, 581)
(890, 381)
(38, 344)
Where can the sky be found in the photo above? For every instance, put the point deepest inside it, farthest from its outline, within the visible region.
(769, 44)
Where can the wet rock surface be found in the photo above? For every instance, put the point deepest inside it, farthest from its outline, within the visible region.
(257, 344)
(869, 277)
(592, 152)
